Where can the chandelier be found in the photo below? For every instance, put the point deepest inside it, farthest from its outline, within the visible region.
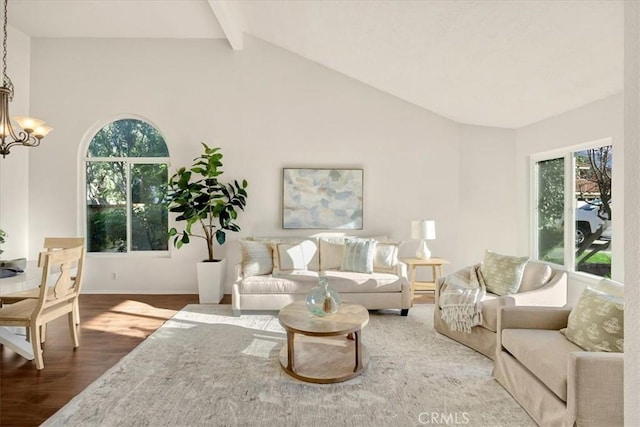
(33, 130)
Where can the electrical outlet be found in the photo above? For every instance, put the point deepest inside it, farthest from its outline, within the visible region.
(114, 275)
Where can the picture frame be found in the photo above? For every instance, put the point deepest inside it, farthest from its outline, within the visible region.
(322, 198)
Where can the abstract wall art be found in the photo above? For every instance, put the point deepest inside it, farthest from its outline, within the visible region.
(322, 198)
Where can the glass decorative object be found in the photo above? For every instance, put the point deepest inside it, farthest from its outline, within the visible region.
(323, 300)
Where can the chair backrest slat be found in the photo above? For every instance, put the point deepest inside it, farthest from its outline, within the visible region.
(61, 263)
(51, 243)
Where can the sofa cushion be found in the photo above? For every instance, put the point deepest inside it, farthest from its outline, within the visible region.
(596, 323)
(535, 275)
(502, 273)
(257, 258)
(358, 255)
(348, 281)
(300, 282)
(543, 352)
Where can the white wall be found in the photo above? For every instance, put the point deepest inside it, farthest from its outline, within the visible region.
(598, 120)
(14, 173)
(267, 109)
(487, 193)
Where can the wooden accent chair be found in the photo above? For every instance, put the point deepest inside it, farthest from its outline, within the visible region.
(50, 244)
(53, 301)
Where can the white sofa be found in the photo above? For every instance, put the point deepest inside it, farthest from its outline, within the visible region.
(294, 266)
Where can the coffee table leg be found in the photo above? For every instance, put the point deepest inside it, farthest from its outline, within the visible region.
(356, 336)
(290, 350)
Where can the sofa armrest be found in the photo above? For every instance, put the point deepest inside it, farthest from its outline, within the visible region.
(595, 388)
(464, 274)
(400, 270)
(436, 292)
(238, 272)
(524, 317)
(552, 294)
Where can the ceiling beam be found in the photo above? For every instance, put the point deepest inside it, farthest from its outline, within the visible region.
(231, 29)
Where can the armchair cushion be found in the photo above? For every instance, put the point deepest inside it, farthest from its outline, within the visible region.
(503, 273)
(596, 323)
(544, 353)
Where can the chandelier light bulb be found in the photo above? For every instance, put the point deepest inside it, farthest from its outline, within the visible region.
(42, 131)
(29, 124)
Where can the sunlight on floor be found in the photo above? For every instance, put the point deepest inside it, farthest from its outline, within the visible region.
(261, 347)
(136, 322)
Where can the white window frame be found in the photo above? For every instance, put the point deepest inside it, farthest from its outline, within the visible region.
(83, 159)
(569, 200)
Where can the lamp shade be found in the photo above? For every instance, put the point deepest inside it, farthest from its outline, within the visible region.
(423, 229)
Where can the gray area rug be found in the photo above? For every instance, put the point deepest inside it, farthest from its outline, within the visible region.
(205, 367)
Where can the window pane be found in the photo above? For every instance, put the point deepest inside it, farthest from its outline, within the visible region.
(149, 221)
(128, 138)
(551, 210)
(593, 210)
(106, 207)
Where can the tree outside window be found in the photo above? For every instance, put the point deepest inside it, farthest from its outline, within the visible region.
(590, 250)
(126, 182)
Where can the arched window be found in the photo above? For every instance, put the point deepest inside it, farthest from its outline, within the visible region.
(126, 180)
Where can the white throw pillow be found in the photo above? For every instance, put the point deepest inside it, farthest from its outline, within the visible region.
(257, 258)
(295, 256)
(358, 255)
(331, 253)
(386, 256)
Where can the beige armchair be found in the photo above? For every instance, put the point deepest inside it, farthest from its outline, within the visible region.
(541, 285)
(554, 380)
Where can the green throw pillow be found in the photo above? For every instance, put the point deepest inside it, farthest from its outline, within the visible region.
(358, 255)
(596, 323)
(502, 273)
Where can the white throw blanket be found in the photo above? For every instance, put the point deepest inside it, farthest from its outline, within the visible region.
(461, 299)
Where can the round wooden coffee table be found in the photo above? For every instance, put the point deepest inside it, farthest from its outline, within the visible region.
(328, 349)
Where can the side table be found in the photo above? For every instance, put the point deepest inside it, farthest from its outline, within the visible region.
(436, 272)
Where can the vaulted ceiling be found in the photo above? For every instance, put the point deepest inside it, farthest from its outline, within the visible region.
(490, 63)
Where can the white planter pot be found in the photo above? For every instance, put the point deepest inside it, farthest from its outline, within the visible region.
(211, 281)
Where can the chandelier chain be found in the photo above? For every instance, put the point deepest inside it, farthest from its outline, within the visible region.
(4, 42)
(6, 81)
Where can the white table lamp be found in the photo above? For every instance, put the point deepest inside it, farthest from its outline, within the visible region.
(423, 230)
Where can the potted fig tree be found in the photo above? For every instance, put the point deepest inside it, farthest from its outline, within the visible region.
(209, 208)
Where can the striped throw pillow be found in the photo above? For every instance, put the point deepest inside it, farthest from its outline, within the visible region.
(358, 255)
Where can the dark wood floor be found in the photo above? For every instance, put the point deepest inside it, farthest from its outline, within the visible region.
(111, 326)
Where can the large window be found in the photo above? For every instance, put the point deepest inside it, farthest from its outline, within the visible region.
(573, 209)
(126, 180)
